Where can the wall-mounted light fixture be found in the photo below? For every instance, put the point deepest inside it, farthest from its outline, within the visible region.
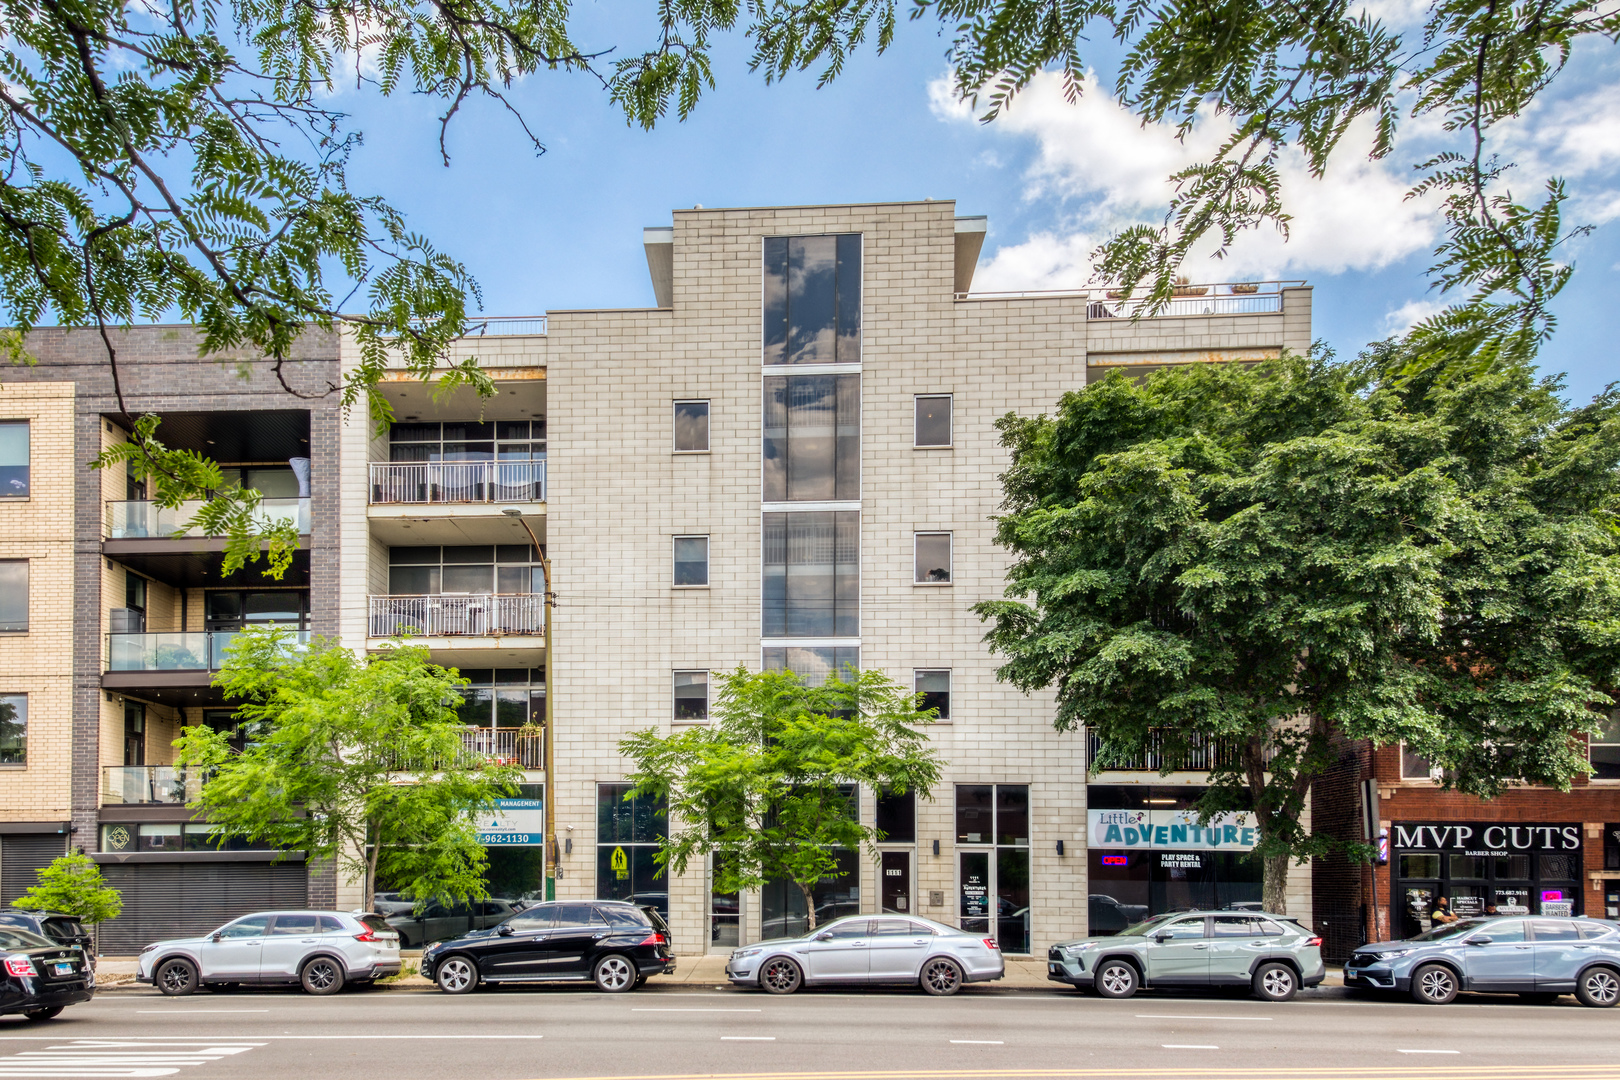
(936, 847)
(1060, 847)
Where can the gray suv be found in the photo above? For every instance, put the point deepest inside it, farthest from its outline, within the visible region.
(1538, 959)
(321, 950)
(1271, 954)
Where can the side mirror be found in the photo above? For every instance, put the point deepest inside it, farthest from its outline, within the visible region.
(504, 930)
(216, 936)
(1479, 939)
(1161, 937)
(825, 935)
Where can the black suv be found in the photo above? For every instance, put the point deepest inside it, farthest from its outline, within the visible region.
(40, 978)
(51, 925)
(612, 943)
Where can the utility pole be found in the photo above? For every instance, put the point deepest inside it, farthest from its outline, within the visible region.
(549, 840)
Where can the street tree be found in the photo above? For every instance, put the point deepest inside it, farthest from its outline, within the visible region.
(72, 885)
(1259, 561)
(768, 788)
(357, 760)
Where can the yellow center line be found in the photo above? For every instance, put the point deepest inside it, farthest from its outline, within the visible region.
(1380, 1072)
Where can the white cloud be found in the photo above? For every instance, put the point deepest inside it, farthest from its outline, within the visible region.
(1410, 314)
(1577, 138)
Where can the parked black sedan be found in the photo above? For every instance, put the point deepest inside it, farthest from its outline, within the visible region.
(41, 977)
(614, 944)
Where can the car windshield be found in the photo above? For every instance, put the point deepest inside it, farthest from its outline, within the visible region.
(13, 939)
(69, 928)
(1450, 930)
(1142, 929)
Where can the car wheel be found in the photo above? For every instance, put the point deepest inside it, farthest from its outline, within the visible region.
(322, 975)
(44, 1014)
(641, 980)
(1434, 984)
(941, 977)
(1274, 982)
(1115, 979)
(1599, 988)
(456, 975)
(614, 974)
(780, 976)
(1538, 998)
(176, 977)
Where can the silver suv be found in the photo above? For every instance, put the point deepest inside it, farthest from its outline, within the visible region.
(1271, 954)
(322, 950)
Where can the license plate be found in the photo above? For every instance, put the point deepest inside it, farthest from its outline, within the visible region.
(64, 969)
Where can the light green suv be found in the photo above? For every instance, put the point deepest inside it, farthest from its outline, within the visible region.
(1271, 954)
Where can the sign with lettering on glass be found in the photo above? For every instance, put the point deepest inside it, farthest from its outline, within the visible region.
(513, 823)
(1485, 837)
(1170, 830)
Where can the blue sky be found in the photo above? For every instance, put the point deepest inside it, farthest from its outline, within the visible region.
(563, 230)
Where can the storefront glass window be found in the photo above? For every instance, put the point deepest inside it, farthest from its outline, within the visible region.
(725, 915)
(1467, 866)
(994, 891)
(627, 834)
(1484, 869)
(1420, 866)
(781, 902)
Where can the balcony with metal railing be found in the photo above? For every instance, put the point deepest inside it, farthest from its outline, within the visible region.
(143, 520)
(495, 746)
(425, 482)
(1202, 756)
(131, 785)
(458, 615)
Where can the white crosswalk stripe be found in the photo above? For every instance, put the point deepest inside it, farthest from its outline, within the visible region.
(134, 1058)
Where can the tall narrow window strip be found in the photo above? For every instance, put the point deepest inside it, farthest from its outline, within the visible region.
(14, 729)
(812, 438)
(691, 697)
(14, 479)
(691, 427)
(812, 299)
(933, 421)
(691, 561)
(811, 568)
(13, 596)
(933, 562)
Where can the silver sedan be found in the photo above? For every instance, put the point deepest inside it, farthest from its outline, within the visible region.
(863, 949)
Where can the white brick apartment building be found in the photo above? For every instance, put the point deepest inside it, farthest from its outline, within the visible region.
(790, 461)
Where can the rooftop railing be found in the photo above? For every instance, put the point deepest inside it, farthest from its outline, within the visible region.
(457, 481)
(141, 520)
(1215, 298)
(457, 615)
(138, 784)
(198, 650)
(503, 326)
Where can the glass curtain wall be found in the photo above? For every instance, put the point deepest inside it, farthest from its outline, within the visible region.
(811, 584)
(812, 438)
(812, 299)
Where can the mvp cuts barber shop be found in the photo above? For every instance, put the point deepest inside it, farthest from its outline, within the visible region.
(1484, 868)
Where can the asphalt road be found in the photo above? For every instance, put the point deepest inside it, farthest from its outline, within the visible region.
(887, 1035)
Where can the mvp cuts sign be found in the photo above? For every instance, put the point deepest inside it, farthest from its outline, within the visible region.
(1486, 838)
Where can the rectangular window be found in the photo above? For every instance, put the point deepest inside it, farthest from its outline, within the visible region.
(992, 814)
(476, 568)
(13, 595)
(691, 561)
(1415, 766)
(897, 817)
(691, 697)
(932, 565)
(691, 427)
(933, 420)
(813, 665)
(1604, 750)
(627, 834)
(812, 299)
(998, 815)
(811, 564)
(934, 688)
(812, 446)
(14, 459)
(13, 729)
(782, 908)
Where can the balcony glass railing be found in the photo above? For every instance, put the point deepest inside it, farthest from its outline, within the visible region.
(150, 784)
(458, 481)
(457, 615)
(201, 650)
(136, 520)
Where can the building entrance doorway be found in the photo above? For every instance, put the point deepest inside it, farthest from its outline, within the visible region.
(895, 887)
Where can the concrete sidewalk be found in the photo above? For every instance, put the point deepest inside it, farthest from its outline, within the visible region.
(118, 974)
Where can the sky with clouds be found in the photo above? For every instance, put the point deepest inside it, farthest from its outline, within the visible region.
(562, 230)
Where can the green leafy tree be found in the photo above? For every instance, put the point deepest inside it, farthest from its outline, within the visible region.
(1268, 559)
(353, 759)
(72, 885)
(765, 787)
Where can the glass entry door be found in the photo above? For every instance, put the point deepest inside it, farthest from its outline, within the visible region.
(895, 888)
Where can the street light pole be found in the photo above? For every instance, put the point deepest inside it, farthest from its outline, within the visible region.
(549, 840)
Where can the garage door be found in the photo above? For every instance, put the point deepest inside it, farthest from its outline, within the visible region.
(170, 900)
(22, 857)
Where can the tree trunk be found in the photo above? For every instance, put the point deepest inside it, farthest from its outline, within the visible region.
(368, 889)
(1274, 884)
(809, 907)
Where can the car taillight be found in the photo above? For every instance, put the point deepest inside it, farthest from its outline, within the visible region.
(367, 936)
(20, 965)
(1316, 941)
(990, 943)
(656, 938)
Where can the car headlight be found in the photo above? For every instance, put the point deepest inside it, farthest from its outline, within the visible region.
(743, 954)
(1080, 948)
(148, 949)
(1394, 954)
